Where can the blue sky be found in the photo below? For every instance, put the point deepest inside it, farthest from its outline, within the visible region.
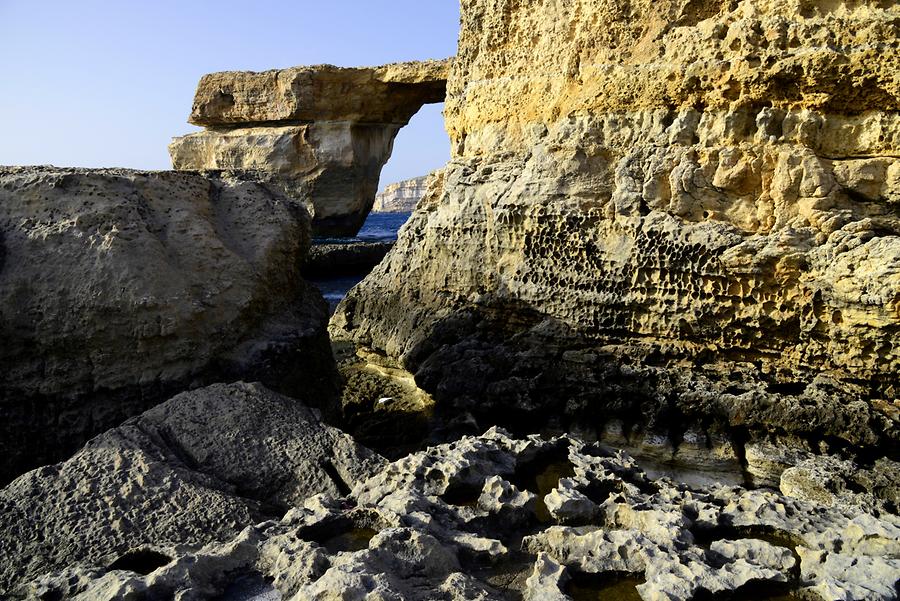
(93, 84)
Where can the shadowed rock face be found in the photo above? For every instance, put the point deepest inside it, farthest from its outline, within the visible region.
(120, 288)
(329, 260)
(659, 217)
(323, 133)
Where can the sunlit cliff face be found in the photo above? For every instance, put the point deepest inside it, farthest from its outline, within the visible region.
(703, 192)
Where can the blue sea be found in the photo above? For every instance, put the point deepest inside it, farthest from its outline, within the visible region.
(379, 227)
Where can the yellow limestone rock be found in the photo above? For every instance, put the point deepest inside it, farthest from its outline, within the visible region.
(680, 215)
(323, 133)
(388, 94)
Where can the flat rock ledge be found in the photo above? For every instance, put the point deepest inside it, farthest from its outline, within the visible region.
(492, 517)
(353, 258)
(386, 94)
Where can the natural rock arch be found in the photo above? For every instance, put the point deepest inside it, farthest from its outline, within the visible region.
(323, 133)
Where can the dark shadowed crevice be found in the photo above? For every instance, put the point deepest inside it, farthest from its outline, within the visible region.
(141, 561)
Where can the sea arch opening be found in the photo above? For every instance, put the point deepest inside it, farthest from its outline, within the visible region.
(419, 149)
(337, 263)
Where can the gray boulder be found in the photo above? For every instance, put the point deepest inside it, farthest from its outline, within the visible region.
(121, 288)
(194, 470)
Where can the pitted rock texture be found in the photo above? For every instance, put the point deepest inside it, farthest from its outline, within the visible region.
(681, 216)
(198, 468)
(401, 197)
(475, 520)
(121, 288)
(323, 133)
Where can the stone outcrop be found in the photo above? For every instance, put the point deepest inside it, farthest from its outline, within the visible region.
(496, 518)
(401, 197)
(354, 258)
(121, 288)
(387, 94)
(677, 221)
(323, 133)
(194, 470)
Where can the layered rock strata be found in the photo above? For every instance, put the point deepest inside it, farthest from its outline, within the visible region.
(666, 222)
(194, 470)
(120, 288)
(401, 197)
(323, 133)
(493, 517)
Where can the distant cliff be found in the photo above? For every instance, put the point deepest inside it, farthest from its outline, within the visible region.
(401, 197)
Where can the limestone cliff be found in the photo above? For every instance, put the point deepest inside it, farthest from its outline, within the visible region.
(401, 197)
(675, 218)
(323, 133)
(120, 288)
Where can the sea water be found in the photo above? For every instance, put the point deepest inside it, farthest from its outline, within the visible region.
(379, 227)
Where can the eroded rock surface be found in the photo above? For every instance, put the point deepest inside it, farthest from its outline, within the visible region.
(668, 221)
(323, 133)
(196, 469)
(121, 288)
(473, 520)
(387, 94)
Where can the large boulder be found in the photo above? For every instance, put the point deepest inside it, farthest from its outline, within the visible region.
(322, 133)
(194, 470)
(120, 288)
(679, 216)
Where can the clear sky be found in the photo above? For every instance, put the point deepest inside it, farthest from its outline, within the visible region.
(108, 84)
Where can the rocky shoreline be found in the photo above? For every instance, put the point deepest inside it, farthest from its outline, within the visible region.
(638, 339)
(493, 517)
